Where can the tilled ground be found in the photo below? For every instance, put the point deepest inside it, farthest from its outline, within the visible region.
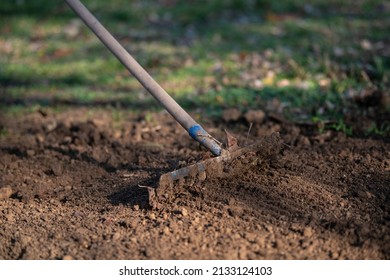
(70, 189)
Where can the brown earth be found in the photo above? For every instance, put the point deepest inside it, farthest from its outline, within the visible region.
(69, 188)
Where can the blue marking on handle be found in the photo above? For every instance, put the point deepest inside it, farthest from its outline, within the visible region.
(199, 134)
(196, 130)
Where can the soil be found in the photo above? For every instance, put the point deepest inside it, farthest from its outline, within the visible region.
(71, 187)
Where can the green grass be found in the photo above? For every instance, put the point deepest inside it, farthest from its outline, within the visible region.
(3, 132)
(207, 54)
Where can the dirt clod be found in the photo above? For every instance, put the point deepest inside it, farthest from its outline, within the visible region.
(116, 236)
(5, 193)
(10, 217)
(184, 212)
(308, 232)
(254, 116)
(231, 115)
(166, 231)
(57, 169)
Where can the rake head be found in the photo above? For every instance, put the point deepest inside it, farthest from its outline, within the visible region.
(192, 178)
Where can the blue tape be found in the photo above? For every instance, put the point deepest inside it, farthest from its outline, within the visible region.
(199, 134)
(196, 130)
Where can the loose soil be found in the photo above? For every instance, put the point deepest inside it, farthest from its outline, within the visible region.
(71, 188)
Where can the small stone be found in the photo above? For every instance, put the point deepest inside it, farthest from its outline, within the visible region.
(30, 152)
(254, 116)
(366, 45)
(242, 253)
(134, 223)
(136, 207)
(40, 138)
(5, 193)
(67, 258)
(202, 176)
(50, 126)
(152, 216)
(167, 230)
(116, 236)
(10, 217)
(308, 232)
(195, 221)
(25, 240)
(184, 212)
(57, 169)
(67, 140)
(295, 227)
(68, 188)
(165, 216)
(84, 243)
(304, 141)
(251, 237)
(117, 134)
(237, 236)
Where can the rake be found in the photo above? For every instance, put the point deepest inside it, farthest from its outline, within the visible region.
(194, 173)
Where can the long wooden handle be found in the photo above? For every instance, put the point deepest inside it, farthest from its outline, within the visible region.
(182, 117)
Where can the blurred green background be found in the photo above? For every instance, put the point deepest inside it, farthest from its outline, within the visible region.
(322, 62)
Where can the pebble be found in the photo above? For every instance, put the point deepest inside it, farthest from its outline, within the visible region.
(237, 236)
(152, 216)
(50, 126)
(167, 231)
(251, 237)
(40, 138)
(195, 221)
(295, 227)
(30, 152)
(5, 193)
(116, 236)
(242, 253)
(304, 141)
(10, 217)
(117, 134)
(260, 240)
(136, 207)
(134, 223)
(184, 212)
(308, 232)
(133, 240)
(25, 240)
(67, 258)
(57, 169)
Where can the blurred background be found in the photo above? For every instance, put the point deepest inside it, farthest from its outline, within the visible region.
(323, 63)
